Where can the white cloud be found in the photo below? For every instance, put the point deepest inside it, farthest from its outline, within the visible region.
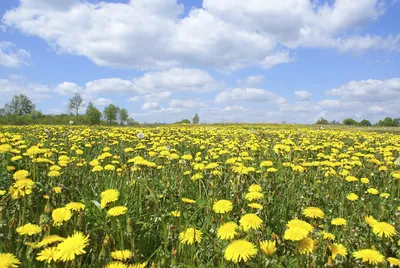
(329, 104)
(11, 56)
(250, 95)
(151, 106)
(252, 80)
(376, 109)
(302, 95)
(102, 102)
(110, 85)
(186, 104)
(224, 34)
(234, 108)
(14, 85)
(370, 90)
(67, 88)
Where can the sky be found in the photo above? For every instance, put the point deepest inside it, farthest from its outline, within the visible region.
(227, 60)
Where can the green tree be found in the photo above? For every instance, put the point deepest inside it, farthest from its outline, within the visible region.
(110, 113)
(349, 122)
(75, 103)
(123, 116)
(322, 121)
(184, 121)
(365, 123)
(20, 105)
(195, 119)
(387, 122)
(93, 115)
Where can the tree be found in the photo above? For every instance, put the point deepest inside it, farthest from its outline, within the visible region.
(20, 105)
(110, 113)
(349, 122)
(365, 123)
(75, 103)
(195, 119)
(396, 122)
(322, 121)
(184, 121)
(123, 116)
(387, 122)
(93, 115)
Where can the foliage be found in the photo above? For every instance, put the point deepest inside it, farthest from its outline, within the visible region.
(365, 123)
(93, 115)
(123, 116)
(389, 122)
(322, 121)
(110, 113)
(196, 119)
(184, 121)
(350, 122)
(75, 103)
(19, 105)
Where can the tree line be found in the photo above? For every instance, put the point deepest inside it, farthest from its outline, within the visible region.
(387, 122)
(22, 111)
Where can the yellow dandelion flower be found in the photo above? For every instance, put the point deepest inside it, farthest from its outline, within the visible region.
(254, 196)
(121, 255)
(327, 235)
(21, 174)
(29, 229)
(188, 201)
(268, 247)
(117, 211)
(72, 246)
(295, 234)
(338, 222)
(108, 196)
(255, 188)
(300, 224)
(306, 245)
(222, 206)
(48, 255)
(371, 221)
(313, 212)
(337, 249)
(8, 260)
(49, 240)
(60, 215)
(75, 206)
(175, 213)
(190, 235)
(394, 261)
(54, 173)
(370, 256)
(352, 197)
(256, 206)
(227, 231)
(240, 250)
(57, 189)
(383, 229)
(116, 264)
(250, 221)
(373, 191)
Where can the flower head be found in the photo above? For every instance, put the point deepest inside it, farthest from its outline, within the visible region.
(240, 250)
(72, 246)
(250, 221)
(108, 196)
(48, 255)
(337, 249)
(190, 235)
(60, 215)
(117, 211)
(383, 229)
(306, 245)
(8, 260)
(313, 212)
(268, 247)
(370, 256)
(121, 255)
(222, 206)
(227, 231)
(338, 222)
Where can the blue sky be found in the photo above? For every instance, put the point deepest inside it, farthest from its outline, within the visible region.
(240, 61)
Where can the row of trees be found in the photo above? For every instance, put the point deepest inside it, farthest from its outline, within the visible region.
(387, 122)
(21, 111)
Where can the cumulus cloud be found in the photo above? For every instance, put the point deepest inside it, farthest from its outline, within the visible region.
(102, 102)
(224, 34)
(329, 104)
(302, 95)
(11, 56)
(252, 80)
(186, 104)
(249, 95)
(151, 106)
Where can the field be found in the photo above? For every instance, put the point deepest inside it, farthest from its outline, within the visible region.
(199, 196)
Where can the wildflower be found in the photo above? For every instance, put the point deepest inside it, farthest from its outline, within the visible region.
(21, 174)
(121, 255)
(109, 167)
(255, 188)
(57, 189)
(116, 264)
(256, 205)
(364, 180)
(370, 220)
(108, 196)
(75, 206)
(370, 256)
(222, 206)
(306, 245)
(117, 211)
(2, 192)
(8, 260)
(29, 229)
(300, 224)
(190, 235)
(254, 196)
(240, 250)
(250, 221)
(54, 173)
(60, 215)
(71, 246)
(352, 196)
(313, 212)
(48, 255)
(351, 178)
(337, 249)
(97, 169)
(383, 229)
(188, 201)
(227, 231)
(327, 235)
(394, 261)
(175, 213)
(373, 191)
(338, 221)
(295, 234)
(268, 247)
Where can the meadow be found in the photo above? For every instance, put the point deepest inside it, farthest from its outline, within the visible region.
(199, 196)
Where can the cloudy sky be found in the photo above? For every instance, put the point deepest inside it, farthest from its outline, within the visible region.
(227, 60)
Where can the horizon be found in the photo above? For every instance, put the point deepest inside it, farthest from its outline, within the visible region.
(229, 62)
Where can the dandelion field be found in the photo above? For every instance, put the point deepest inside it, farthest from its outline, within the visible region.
(203, 196)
